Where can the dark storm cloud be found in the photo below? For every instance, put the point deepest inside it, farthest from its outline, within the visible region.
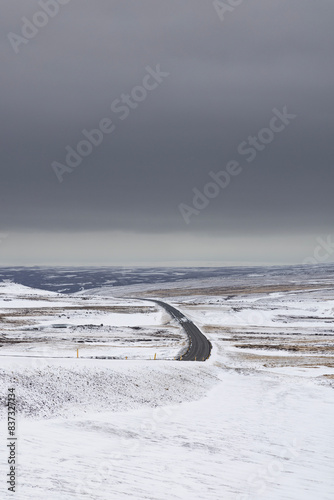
(225, 79)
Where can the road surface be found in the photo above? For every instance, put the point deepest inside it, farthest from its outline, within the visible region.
(199, 346)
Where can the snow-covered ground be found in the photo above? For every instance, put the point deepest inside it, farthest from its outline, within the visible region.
(269, 331)
(253, 422)
(44, 324)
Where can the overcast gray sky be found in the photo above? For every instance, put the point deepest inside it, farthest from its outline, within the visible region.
(227, 73)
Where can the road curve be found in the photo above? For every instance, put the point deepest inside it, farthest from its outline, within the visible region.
(199, 346)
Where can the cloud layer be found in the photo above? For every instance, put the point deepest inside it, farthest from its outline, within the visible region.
(225, 78)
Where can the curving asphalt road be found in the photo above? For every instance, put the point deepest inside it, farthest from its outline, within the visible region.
(199, 346)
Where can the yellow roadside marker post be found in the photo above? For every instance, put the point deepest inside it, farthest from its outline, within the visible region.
(155, 356)
(77, 353)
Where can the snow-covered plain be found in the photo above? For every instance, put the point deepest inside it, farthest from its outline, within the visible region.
(44, 324)
(253, 422)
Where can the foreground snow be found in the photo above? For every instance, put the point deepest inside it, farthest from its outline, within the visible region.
(251, 437)
(241, 426)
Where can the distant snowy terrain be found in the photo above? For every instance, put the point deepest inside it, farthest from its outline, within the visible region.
(43, 324)
(253, 422)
